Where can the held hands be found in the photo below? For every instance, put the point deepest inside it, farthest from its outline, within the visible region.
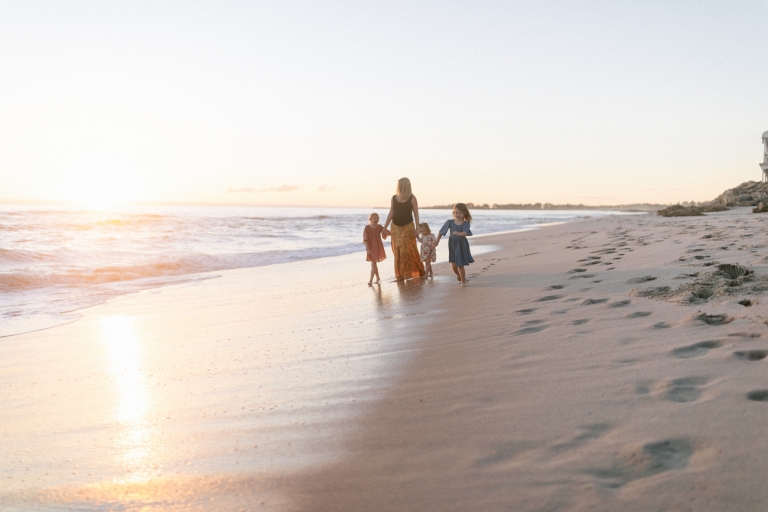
(385, 234)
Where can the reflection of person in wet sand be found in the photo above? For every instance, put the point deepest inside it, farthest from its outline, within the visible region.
(373, 247)
(403, 211)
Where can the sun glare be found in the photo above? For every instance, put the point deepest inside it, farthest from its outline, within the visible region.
(91, 187)
(98, 195)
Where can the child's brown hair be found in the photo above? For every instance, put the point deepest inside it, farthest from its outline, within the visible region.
(464, 210)
(374, 214)
(425, 227)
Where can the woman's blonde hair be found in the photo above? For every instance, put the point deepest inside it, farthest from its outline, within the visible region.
(404, 188)
(464, 211)
(425, 227)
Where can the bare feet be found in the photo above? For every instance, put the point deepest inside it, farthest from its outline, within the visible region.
(369, 283)
(464, 283)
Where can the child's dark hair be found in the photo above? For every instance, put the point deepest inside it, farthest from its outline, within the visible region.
(425, 227)
(464, 210)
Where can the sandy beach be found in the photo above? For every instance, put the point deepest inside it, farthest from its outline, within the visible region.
(615, 363)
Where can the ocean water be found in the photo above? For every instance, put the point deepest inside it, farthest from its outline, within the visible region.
(55, 261)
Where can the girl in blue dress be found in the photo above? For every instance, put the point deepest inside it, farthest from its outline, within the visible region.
(458, 245)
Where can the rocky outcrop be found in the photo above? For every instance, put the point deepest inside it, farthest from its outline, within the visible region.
(678, 210)
(750, 193)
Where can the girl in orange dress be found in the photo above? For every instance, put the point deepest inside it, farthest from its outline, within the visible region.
(373, 247)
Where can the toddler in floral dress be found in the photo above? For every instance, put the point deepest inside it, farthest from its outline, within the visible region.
(428, 242)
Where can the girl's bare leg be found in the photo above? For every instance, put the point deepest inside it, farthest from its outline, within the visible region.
(461, 276)
(375, 270)
(456, 271)
(428, 265)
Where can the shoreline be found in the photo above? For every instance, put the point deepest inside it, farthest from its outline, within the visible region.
(40, 307)
(555, 380)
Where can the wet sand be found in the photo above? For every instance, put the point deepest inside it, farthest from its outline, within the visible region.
(604, 364)
(192, 396)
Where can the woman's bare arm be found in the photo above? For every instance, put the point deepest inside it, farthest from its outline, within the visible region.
(389, 217)
(415, 204)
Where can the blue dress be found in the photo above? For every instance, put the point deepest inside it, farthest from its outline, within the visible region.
(458, 246)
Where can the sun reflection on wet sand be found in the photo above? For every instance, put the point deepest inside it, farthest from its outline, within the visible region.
(124, 349)
(210, 397)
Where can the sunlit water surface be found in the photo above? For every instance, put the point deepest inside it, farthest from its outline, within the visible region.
(54, 261)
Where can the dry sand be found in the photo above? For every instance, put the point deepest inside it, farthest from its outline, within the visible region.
(605, 364)
(551, 383)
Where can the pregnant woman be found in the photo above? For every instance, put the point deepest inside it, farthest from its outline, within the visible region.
(403, 211)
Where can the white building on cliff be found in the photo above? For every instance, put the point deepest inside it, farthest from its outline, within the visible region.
(764, 165)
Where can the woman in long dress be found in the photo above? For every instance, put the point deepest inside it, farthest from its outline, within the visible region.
(404, 216)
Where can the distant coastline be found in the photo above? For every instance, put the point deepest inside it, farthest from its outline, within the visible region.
(638, 207)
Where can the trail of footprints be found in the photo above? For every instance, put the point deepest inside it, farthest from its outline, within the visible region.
(685, 389)
(666, 454)
(488, 264)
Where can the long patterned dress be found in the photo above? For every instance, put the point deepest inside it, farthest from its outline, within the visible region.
(407, 259)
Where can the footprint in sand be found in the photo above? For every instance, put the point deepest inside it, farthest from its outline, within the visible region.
(643, 279)
(529, 330)
(758, 395)
(751, 355)
(619, 304)
(697, 349)
(720, 319)
(687, 389)
(549, 297)
(589, 302)
(647, 460)
(576, 270)
(581, 321)
(557, 287)
(745, 335)
(662, 325)
(639, 314)
(525, 311)
(745, 302)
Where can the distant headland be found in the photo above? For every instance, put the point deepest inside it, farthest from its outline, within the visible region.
(639, 207)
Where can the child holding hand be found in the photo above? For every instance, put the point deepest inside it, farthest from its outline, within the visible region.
(374, 248)
(458, 245)
(428, 244)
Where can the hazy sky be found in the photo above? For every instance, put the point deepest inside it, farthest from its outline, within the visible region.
(329, 103)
